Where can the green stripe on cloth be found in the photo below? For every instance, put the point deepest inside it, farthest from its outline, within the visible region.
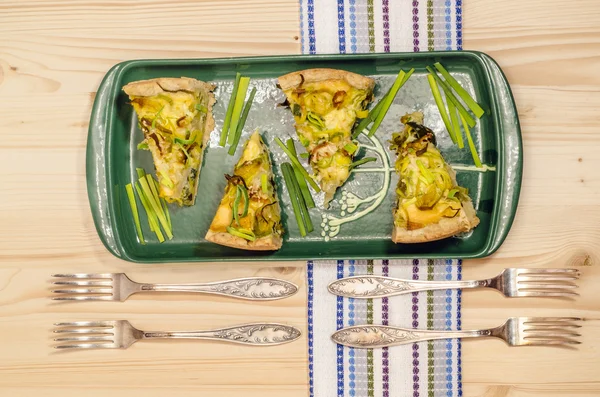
(370, 370)
(371, 17)
(430, 360)
(430, 43)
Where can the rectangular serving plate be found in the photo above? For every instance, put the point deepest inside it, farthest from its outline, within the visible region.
(359, 222)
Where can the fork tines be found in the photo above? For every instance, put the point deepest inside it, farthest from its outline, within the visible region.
(547, 282)
(551, 330)
(96, 335)
(84, 286)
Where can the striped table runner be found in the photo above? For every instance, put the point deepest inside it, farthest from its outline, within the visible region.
(357, 26)
(428, 369)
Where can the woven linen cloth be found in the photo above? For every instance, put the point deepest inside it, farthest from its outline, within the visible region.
(419, 369)
(358, 26)
(431, 369)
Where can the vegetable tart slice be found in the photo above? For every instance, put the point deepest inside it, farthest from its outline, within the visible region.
(325, 104)
(249, 216)
(430, 205)
(175, 115)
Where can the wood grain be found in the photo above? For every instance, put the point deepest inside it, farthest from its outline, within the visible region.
(53, 55)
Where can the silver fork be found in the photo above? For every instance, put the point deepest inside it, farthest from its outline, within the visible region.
(120, 334)
(119, 287)
(511, 283)
(517, 331)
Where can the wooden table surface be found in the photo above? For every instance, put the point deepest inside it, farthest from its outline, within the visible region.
(53, 55)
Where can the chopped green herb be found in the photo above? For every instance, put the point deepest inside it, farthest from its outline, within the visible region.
(147, 188)
(152, 185)
(288, 176)
(152, 217)
(290, 145)
(400, 80)
(350, 148)
(441, 107)
(201, 108)
(187, 154)
(370, 117)
(240, 124)
(143, 145)
(296, 110)
(468, 99)
(295, 161)
(164, 206)
(241, 192)
(452, 193)
(229, 112)
(238, 107)
(246, 199)
(455, 125)
(134, 212)
(264, 183)
(361, 162)
(315, 120)
(246, 234)
(450, 97)
(472, 148)
(308, 200)
(303, 140)
(236, 206)
(190, 140)
(304, 155)
(425, 172)
(166, 180)
(156, 117)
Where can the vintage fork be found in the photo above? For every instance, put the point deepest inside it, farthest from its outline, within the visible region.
(118, 287)
(517, 331)
(120, 334)
(511, 283)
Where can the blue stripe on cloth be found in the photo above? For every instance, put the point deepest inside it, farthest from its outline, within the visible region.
(311, 293)
(353, 41)
(448, 27)
(340, 325)
(351, 353)
(312, 40)
(459, 45)
(341, 27)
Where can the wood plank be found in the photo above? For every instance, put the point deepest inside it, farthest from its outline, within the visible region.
(53, 55)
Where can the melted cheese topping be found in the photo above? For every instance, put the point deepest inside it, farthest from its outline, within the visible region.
(173, 126)
(264, 214)
(325, 113)
(424, 182)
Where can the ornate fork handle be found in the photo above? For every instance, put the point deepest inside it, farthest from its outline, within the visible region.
(379, 286)
(376, 336)
(250, 334)
(252, 288)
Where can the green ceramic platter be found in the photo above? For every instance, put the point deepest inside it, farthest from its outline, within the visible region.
(358, 224)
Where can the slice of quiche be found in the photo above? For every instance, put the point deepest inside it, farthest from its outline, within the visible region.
(325, 104)
(175, 115)
(430, 205)
(249, 216)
